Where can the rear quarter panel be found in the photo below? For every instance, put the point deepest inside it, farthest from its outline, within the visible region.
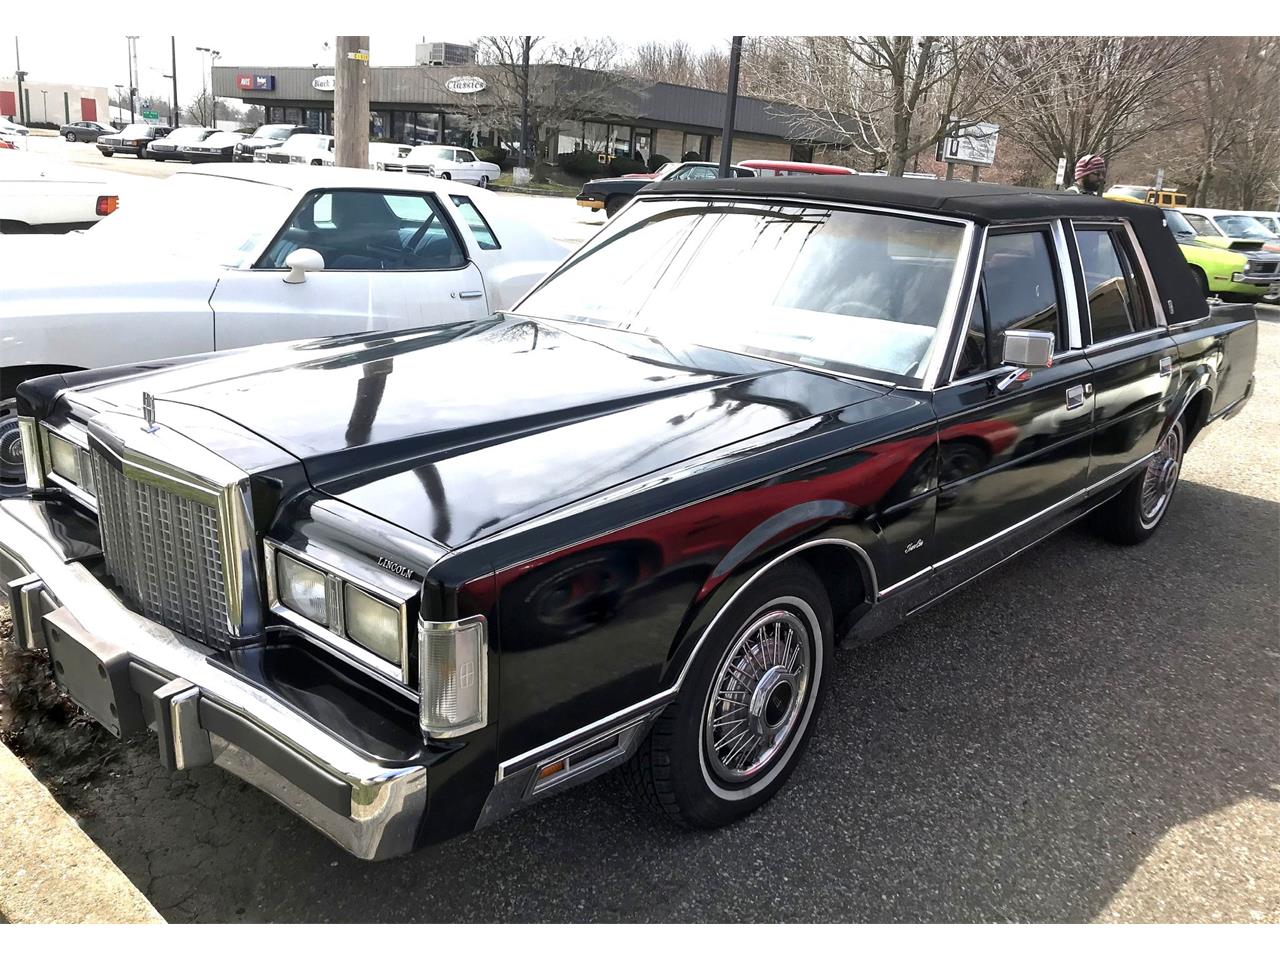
(1218, 353)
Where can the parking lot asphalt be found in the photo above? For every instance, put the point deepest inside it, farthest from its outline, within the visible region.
(1088, 733)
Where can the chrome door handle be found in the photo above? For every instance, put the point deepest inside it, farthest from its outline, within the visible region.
(1166, 366)
(1075, 397)
(470, 294)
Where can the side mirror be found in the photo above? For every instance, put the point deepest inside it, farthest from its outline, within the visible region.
(302, 261)
(1028, 348)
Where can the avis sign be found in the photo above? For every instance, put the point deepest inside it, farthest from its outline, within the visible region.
(255, 81)
(465, 84)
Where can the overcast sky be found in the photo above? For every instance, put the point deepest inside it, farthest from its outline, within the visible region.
(103, 60)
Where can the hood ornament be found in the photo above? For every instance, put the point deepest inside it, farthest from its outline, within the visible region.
(149, 411)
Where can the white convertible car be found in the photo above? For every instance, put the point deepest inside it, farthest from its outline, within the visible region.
(219, 257)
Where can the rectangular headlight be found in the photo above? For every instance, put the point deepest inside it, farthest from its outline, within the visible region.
(302, 589)
(373, 624)
(64, 458)
(453, 665)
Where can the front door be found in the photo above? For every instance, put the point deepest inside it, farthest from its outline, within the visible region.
(392, 259)
(1133, 377)
(1010, 450)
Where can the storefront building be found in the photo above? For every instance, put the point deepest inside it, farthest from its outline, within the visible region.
(461, 106)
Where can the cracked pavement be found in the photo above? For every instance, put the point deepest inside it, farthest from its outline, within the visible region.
(1089, 733)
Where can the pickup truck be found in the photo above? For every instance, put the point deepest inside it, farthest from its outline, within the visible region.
(407, 582)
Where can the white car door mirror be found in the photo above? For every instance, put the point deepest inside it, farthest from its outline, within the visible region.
(302, 261)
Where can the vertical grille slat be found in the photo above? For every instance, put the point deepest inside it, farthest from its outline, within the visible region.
(163, 551)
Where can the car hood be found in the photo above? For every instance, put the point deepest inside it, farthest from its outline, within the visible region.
(614, 183)
(455, 433)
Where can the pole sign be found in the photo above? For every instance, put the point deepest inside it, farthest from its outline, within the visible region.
(1159, 177)
(973, 143)
(323, 83)
(465, 84)
(1061, 178)
(150, 115)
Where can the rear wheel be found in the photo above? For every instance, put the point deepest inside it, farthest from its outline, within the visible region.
(1134, 514)
(484, 183)
(746, 707)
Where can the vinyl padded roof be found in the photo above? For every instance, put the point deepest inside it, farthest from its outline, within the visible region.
(982, 202)
(989, 202)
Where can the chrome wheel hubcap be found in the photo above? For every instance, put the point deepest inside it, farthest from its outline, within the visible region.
(758, 695)
(1162, 476)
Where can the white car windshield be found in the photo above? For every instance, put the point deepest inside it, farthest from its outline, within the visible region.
(1242, 227)
(188, 135)
(275, 132)
(136, 130)
(214, 220)
(854, 292)
(427, 152)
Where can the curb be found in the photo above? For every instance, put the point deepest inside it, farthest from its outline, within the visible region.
(50, 871)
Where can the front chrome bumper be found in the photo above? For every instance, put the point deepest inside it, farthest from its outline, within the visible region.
(201, 712)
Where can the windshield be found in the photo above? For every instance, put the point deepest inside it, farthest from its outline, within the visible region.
(215, 220)
(1138, 193)
(274, 132)
(428, 152)
(188, 135)
(1177, 223)
(854, 292)
(136, 130)
(1241, 227)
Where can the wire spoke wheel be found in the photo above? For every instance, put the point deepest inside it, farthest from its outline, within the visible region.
(758, 695)
(1161, 476)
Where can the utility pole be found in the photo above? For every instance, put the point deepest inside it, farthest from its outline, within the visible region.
(21, 75)
(730, 107)
(174, 112)
(524, 103)
(213, 94)
(133, 89)
(351, 102)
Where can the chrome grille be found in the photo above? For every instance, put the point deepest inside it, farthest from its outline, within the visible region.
(164, 553)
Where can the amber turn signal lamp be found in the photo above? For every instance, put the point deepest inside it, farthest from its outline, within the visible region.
(107, 205)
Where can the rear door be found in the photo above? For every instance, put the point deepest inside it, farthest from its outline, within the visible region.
(1134, 360)
(1010, 450)
(393, 259)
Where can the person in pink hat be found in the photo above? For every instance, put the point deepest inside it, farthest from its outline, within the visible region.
(1091, 175)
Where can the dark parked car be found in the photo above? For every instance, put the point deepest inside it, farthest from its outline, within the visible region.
(409, 582)
(173, 145)
(611, 194)
(218, 147)
(84, 131)
(269, 136)
(132, 140)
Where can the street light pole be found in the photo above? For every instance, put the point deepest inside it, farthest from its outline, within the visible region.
(21, 75)
(133, 89)
(213, 58)
(730, 108)
(174, 111)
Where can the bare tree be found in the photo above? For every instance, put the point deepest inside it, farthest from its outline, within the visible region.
(1075, 95)
(888, 97)
(565, 80)
(676, 61)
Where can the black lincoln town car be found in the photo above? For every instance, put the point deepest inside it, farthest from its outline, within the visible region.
(406, 583)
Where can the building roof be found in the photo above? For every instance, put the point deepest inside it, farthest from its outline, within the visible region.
(642, 101)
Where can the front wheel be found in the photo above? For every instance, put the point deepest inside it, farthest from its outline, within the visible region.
(12, 475)
(446, 175)
(745, 709)
(71, 137)
(1133, 515)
